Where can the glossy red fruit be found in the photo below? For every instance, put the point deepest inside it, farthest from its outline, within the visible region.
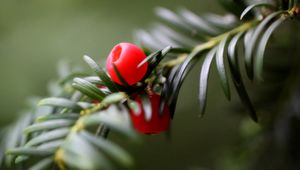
(157, 123)
(126, 57)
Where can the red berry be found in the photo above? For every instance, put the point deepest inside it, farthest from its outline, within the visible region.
(157, 123)
(126, 57)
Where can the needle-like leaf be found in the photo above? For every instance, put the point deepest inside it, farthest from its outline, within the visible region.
(114, 98)
(204, 74)
(171, 17)
(259, 57)
(198, 22)
(220, 55)
(253, 40)
(48, 125)
(167, 90)
(30, 151)
(259, 4)
(48, 136)
(113, 120)
(88, 89)
(120, 77)
(87, 157)
(60, 102)
(233, 61)
(111, 149)
(72, 116)
(233, 57)
(149, 58)
(101, 73)
(42, 164)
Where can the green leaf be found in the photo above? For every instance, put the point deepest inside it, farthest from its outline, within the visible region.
(236, 75)
(134, 106)
(179, 77)
(182, 72)
(166, 50)
(177, 21)
(225, 22)
(54, 145)
(20, 159)
(184, 68)
(172, 37)
(88, 89)
(204, 74)
(42, 164)
(76, 97)
(147, 40)
(156, 60)
(113, 119)
(85, 105)
(233, 58)
(114, 98)
(159, 57)
(51, 124)
(152, 64)
(102, 131)
(171, 17)
(198, 22)
(14, 134)
(101, 73)
(14, 137)
(85, 158)
(149, 58)
(167, 91)
(48, 136)
(120, 77)
(59, 102)
(163, 35)
(72, 116)
(253, 40)
(111, 149)
(248, 61)
(94, 80)
(259, 57)
(259, 4)
(221, 67)
(72, 76)
(146, 104)
(30, 151)
(248, 36)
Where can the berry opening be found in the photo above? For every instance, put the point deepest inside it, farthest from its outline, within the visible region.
(116, 53)
(126, 57)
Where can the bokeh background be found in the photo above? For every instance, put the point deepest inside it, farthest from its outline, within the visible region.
(35, 35)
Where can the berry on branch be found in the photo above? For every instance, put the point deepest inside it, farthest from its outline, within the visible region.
(157, 123)
(126, 57)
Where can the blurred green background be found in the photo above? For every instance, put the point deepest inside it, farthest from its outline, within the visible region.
(35, 35)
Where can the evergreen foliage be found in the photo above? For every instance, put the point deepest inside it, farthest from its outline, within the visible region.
(79, 113)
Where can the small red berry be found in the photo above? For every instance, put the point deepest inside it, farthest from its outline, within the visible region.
(157, 123)
(126, 57)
